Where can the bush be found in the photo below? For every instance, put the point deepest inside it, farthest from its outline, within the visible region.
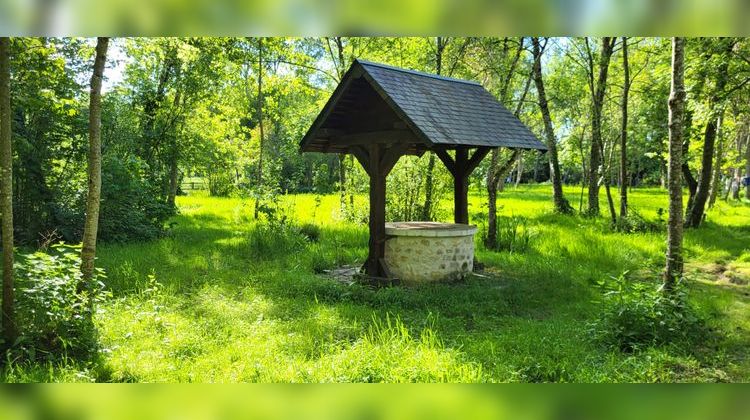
(310, 231)
(221, 184)
(637, 315)
(275, 235)
(51, 312)
(131, 207)
(635, 223)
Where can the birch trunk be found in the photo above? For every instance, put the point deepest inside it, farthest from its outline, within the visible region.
(561, 204)
(596, 125)
(259, 180)
(6, 189)
(624, 133)
(673, 269)
(88, 252)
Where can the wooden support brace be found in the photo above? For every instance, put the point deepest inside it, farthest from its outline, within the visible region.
(447, 160)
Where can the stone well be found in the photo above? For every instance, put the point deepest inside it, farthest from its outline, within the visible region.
(419, 252)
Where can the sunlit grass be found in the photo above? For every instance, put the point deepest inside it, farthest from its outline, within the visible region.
(200, 305)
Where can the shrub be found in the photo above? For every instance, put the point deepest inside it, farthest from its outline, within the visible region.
(275, 235)
(637, 315)
(52, 313)
(221, 184)
(131, 206)
(310, 231)
(635, 223)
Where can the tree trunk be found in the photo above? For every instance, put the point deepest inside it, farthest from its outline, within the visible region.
(519, 170)
(496, 174)
(88, 252)
(719, 161)
(624, 132)
(492, 186)
(561, 204)
(174, 158)
(747, 166)
(173, 178)
(428, 188)
(342, 181)
(596, 125)
(606, 180)
(6, 189)
(259, 180)
(695, 211)
(694, 215)
(673, 270)
(342, 156)
(690, 181)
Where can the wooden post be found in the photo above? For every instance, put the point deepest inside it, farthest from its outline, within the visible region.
(377, 160)
(461, 187)
(461, 167)
(377, 212)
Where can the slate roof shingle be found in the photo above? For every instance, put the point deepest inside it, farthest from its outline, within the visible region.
(445, 111)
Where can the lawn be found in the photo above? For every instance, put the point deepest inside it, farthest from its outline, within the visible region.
(205, 304)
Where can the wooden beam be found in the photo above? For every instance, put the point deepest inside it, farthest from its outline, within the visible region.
(391, 156)
(363, 156)
(372, 137)
(447, 160)
(463, 166)
(330, 132)
(476, 158)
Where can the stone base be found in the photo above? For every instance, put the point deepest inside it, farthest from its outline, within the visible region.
(419, 252)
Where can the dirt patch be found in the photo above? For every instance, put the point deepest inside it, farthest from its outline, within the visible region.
(346, 274)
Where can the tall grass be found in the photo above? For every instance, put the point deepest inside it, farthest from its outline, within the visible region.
(206, 304)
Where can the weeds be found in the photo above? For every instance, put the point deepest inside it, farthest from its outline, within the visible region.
(637, 315)
(52, 313)
(513, 234)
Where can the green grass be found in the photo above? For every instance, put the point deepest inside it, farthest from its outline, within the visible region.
(200, 305)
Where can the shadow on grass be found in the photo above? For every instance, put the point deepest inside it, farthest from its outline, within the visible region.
(732, 240)
(524, 320)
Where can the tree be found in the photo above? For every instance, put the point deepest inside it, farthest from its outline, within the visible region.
(88, 252)
(673, 270)
(6, 188)
(598, 91)
(259, 105)
(718, 163)
(561, 204)
(497, 172)
(624, 132)
(440, 44)
(696, 207)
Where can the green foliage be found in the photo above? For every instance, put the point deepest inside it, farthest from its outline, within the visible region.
(310, 231)
(52, 311)
(406, 190)
(637, 315)
(276, 234)
(221, 184)
(131, 208)
(636, 223)
(514, 234)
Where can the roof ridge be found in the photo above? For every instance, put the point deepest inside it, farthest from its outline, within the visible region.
(416, 72)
